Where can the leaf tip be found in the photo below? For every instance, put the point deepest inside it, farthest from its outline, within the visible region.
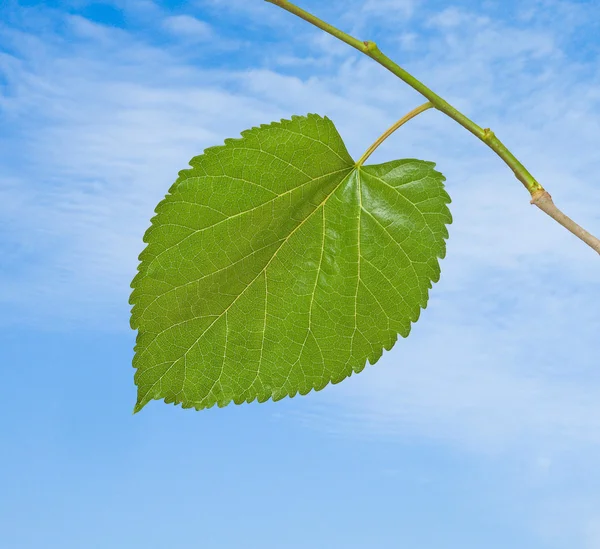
(138, 407)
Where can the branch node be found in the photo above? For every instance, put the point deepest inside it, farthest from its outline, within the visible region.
(488, 134)
(539, 196)
(370, 47)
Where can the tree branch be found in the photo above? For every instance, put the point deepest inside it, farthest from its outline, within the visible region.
(540, 197)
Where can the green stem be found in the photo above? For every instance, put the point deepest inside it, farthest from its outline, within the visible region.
(391, 130)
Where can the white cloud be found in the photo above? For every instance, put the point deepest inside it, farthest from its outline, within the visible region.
(84, 28)
(449, 17)
(390, 8)
(187, 27)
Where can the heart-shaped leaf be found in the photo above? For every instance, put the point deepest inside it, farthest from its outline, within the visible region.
(275, 266)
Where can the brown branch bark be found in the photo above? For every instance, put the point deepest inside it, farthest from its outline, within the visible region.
(544, 202)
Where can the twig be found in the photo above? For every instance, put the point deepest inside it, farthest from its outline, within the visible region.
(540, 197)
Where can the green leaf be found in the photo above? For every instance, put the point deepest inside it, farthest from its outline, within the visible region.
(275, 266)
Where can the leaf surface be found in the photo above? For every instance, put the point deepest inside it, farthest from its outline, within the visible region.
(275, 266)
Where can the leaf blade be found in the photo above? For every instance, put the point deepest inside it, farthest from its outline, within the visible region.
(258, 296)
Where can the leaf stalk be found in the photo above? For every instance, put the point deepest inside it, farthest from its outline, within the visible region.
(392, 129)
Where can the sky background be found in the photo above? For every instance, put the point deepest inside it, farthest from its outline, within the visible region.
(482, 429)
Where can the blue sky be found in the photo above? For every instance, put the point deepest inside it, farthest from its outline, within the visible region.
(482, 429)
